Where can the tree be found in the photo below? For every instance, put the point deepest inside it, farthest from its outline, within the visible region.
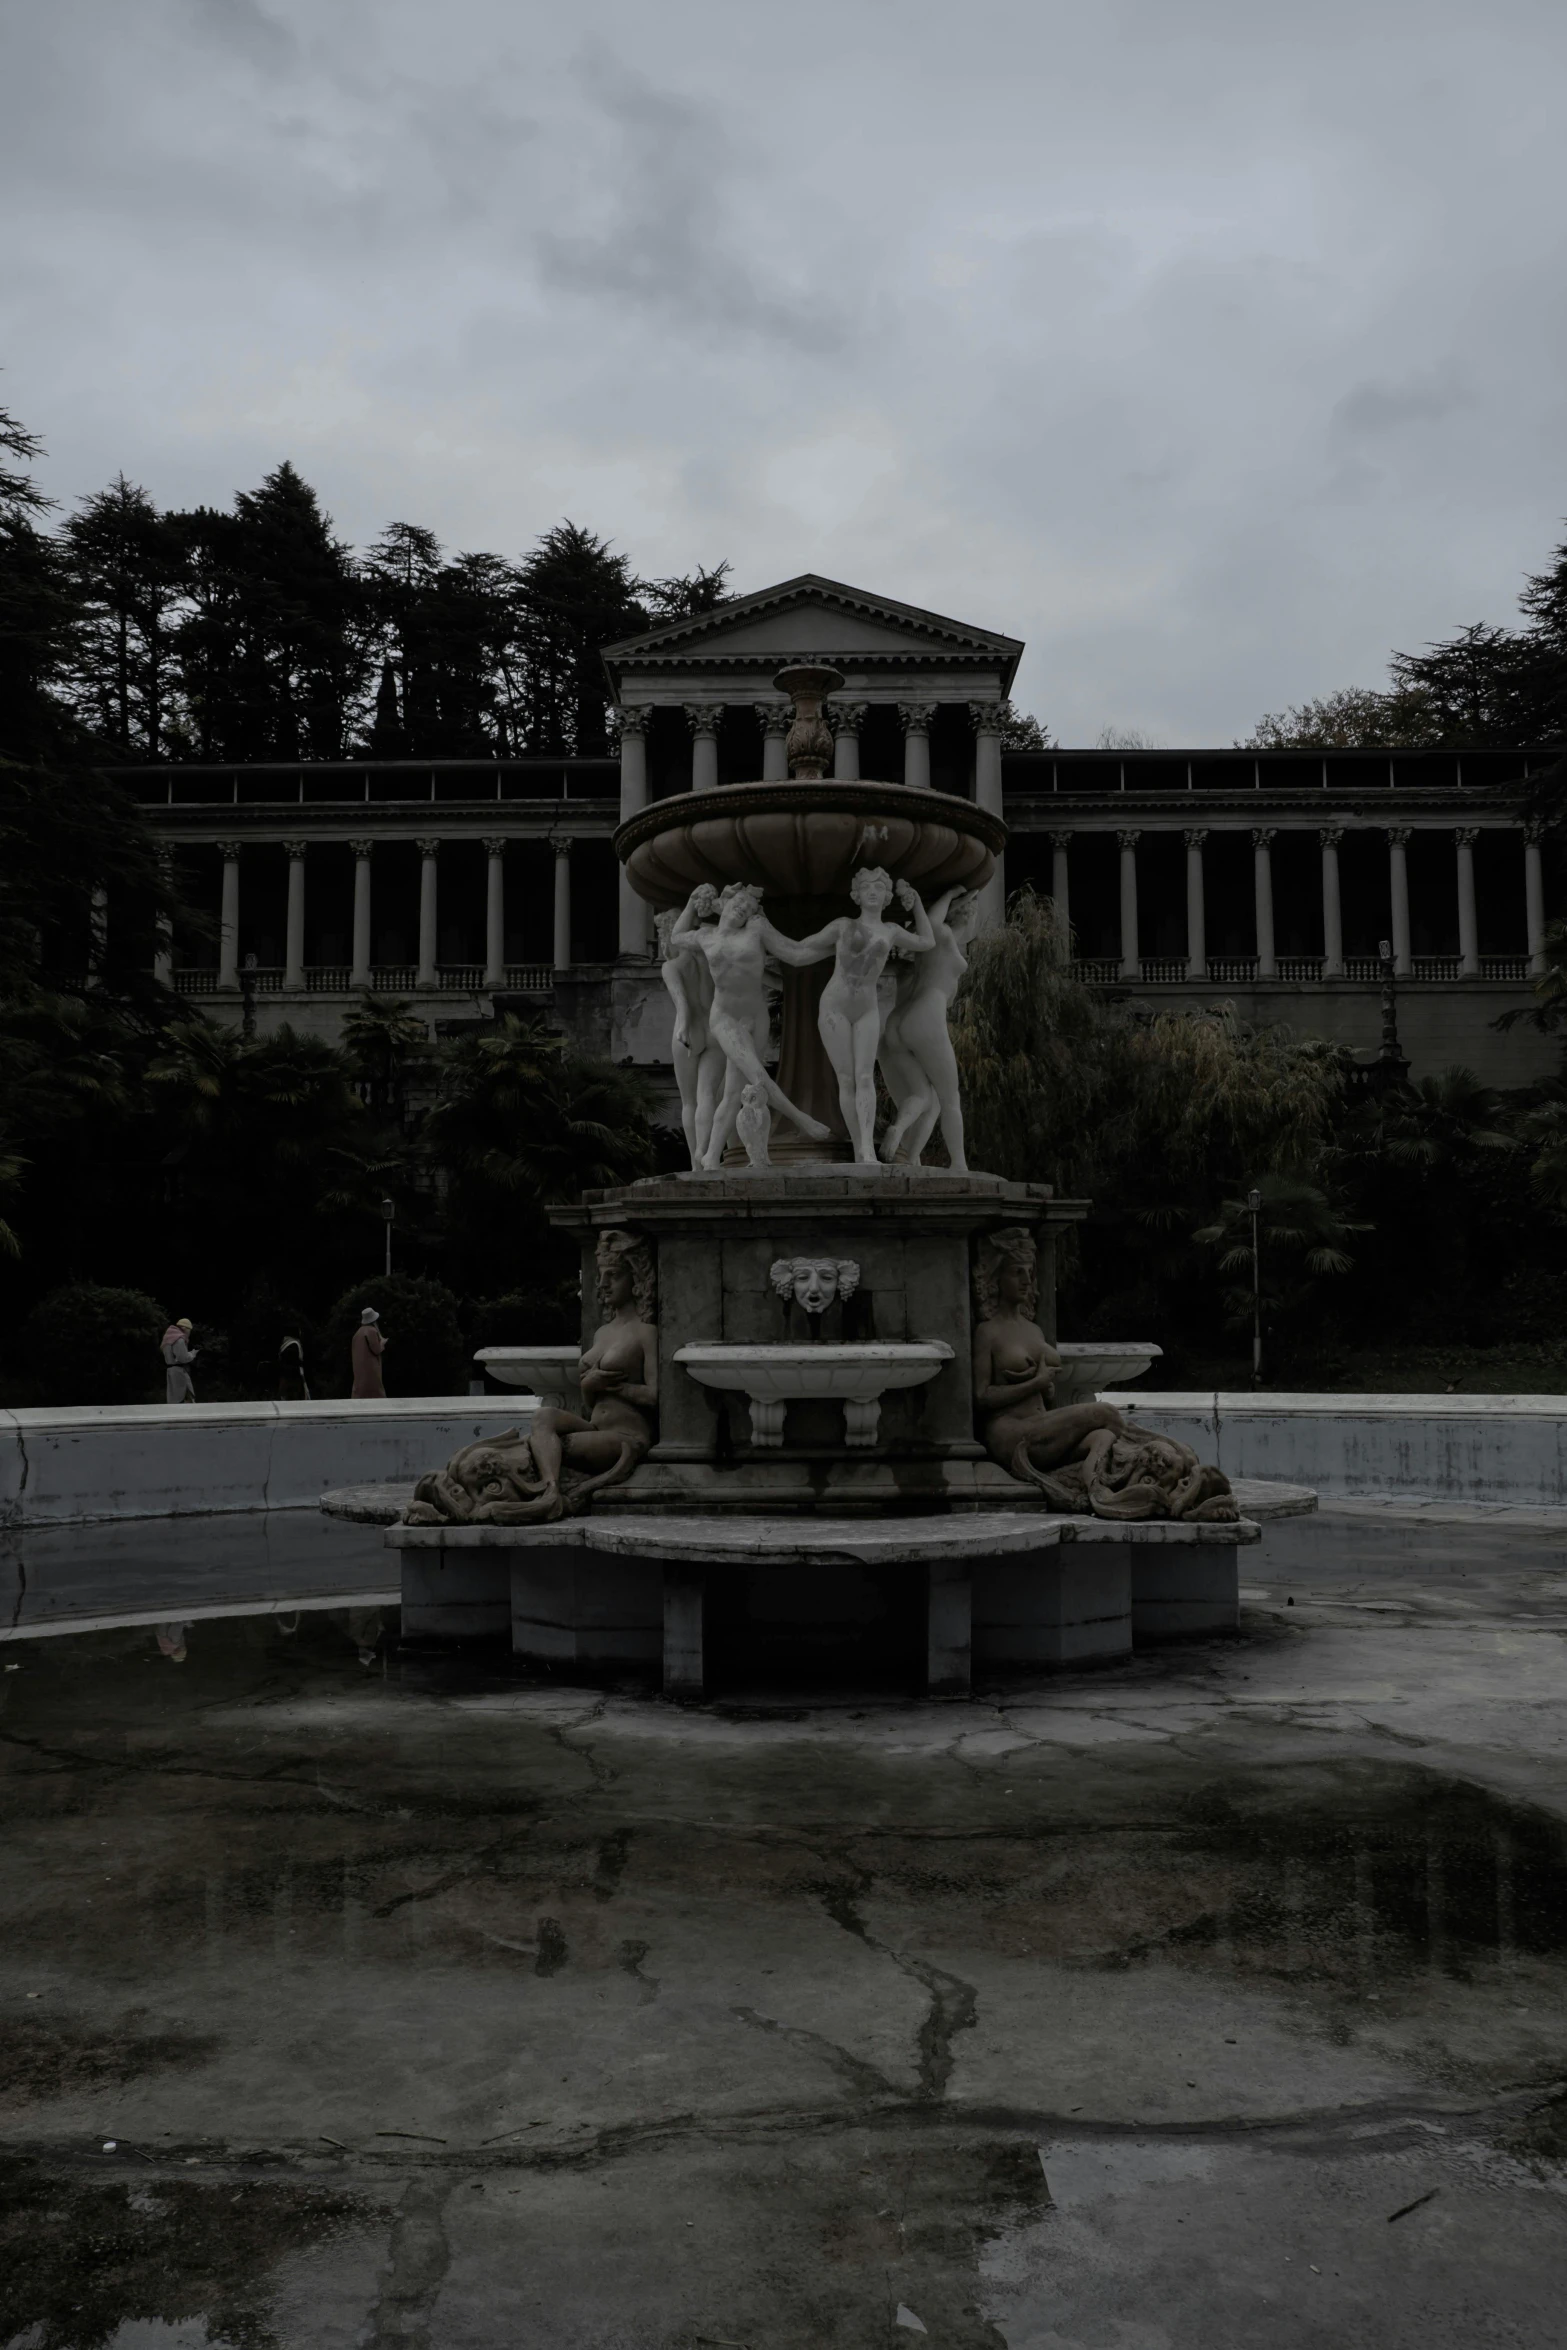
(1353, 719)
(1021, 731)
(124, 561)
(1300, 1243)
(573, 597)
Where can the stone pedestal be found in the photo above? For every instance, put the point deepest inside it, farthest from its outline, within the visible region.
(911, 1231)
(929, 1603)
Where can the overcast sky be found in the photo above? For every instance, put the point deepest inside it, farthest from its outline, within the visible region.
(1213, 346)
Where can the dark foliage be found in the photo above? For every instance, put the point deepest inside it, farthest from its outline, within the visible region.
(425, 1354)
(86, 1344)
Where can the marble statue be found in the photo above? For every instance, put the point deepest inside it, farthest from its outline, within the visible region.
(736, 947)
(918, 1064)
(515, 1480)
(1085, 1458)
(754, 1125)
(698, 1057)
(814, 1282)
(849, 1017)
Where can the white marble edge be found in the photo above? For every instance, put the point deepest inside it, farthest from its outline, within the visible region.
(46, 1419)
(680, 1539)
(1262, 1403)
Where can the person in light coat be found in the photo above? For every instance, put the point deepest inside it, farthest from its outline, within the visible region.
(365, 1350)
(178, 1356)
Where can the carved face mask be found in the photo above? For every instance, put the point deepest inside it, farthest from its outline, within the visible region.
(814, 1282)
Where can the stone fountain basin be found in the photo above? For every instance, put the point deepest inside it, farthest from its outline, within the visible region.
(807, 839)
(857, 1375)
(550, 1372)
(1089, 1364)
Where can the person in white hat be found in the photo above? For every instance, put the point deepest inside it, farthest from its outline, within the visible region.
(179, 1387)
(365, 1350)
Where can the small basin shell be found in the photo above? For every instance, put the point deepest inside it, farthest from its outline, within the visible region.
(550, 1372)
(857, 1375)
(1089, 1364)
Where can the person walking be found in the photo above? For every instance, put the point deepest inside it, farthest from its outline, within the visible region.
(178, 1355)
(292, 1385)
(365, 1349)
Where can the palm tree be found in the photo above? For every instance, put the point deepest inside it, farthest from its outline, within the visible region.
(381, 1035)
(1300, 1241)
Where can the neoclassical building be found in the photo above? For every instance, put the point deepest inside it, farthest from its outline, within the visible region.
(1265, 879)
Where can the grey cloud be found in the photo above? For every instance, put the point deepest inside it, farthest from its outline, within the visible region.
(1376, 408)
(664, 241)
(245, 27)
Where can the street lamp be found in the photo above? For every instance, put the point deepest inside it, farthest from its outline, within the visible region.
(1254, 1208)
(389, 1211)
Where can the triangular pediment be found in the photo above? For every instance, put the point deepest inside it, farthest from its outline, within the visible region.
(812, 617)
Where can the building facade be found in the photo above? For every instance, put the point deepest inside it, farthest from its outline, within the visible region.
(1262, 879)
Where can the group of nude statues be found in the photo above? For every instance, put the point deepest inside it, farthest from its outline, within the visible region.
(714, 955)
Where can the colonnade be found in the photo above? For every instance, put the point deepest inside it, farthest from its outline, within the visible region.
(427, 974)
(1329, 839)
(704, 719)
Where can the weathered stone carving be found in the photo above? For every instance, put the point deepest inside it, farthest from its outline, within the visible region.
(698, 1056)
(814, 1282)
(736, 947)
(1084, 1458)
(849, 1018)
(512, 1480)
(809, 747)
(754, 1125)
(917, 1061)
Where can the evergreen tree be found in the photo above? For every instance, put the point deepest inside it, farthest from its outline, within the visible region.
(574, 597)
(124, 562)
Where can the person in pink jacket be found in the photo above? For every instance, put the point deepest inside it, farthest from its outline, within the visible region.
(365, 1351)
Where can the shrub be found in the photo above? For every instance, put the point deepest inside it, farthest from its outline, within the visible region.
(425, 1354)
(86, 1344)
(526, 1317)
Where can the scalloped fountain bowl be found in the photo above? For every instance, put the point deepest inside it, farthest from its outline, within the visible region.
(550, 1372)
(856, 1374)
(807, 838)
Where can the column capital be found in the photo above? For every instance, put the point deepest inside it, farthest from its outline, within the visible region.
(494, 844)
(1398, 836)
(1061, 840)
(1466, 835)
(916, 716)
(1262, 835)
(630, 717)
(1330, 835)
(427, 845)
(1194, 835)
(846, 717)
(295, 848)
(1128, 840)
(773, 717)
(987, 717)
(362, 848)
(562, 844)
(1535, 831)
(229, 851)
(704, 717)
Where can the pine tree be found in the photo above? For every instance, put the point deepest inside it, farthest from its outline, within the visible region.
(574, 597)
(125, 564)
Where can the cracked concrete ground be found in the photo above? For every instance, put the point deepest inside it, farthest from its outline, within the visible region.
(1213, 1999)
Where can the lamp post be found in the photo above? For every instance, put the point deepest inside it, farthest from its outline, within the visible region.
(389, 1211)
(1390, 1067)
(1254, 1208)
(247, 999)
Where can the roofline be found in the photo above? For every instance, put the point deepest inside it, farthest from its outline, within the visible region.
(674, 633)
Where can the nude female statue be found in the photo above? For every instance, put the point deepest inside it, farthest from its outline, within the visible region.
(849, 1016)
(917, 1060)
(618, 1376)
(698, 1056)
(1086, 1457)
(735, 948)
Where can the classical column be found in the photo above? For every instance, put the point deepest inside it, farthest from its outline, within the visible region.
(1332, 905)
(359, 976)
(1262, 883)
(228, 918)
(562, 904)
(632, 721)
(294, 920)
(773, 719)
(704, 719)
(163, 928)
(495, 913)
(1468, 919)
(916, 717)
(846, 719)
(1131, 961)
(1196, 907)
(987, 718)
(1398, 891)
(427, 975)
(1061, 888)
(1534, 893)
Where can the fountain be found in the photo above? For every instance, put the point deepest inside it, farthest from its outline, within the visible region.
(821, 1384)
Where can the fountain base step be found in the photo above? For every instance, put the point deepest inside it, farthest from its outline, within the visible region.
(934, 1598)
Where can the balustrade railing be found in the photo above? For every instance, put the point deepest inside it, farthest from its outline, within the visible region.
(530, 978)
(394, 979)
(1160, 970)
(1298, 967)
(1095, 970)
(1230, 969)
(1504, 966)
